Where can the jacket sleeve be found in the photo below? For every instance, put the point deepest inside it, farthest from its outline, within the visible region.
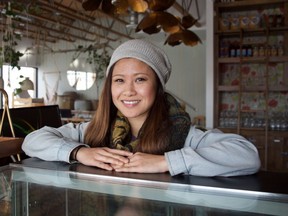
(214, 153)
(54, 144)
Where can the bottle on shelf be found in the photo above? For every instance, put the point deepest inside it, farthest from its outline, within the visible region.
(280, 49)
(249, 52)
(244, 51)
(255, 51)
(232, 50)
(224, 49)
(238, 50)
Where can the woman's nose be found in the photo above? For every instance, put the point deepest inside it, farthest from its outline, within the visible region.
(129, 89)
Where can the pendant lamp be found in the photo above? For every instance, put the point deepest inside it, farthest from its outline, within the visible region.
(27, 84)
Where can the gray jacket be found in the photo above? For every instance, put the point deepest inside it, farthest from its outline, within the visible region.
(210, 153)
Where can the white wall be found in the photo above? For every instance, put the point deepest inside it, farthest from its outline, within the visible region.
(188, 76)
(209, 63)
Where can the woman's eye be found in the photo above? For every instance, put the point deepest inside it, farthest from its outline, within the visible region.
(118, 80)
(140, 79)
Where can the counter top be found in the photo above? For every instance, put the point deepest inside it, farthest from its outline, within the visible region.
(266, 182)
(71, 185)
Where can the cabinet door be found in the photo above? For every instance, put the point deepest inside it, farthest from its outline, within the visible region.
(259, 142)
(278, 154)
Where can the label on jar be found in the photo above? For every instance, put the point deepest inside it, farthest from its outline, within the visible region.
(255, 51)
(244, 22)
(235, 23)
(224, 24)
(261, 51)
(254, 22)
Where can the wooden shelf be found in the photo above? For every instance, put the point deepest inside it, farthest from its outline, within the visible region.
(240, 5)
(262, 30)
(259, 80)
(258, 59)
(252, 110)
(236, 88)
(228, 88)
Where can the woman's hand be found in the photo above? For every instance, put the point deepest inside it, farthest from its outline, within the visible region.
(104, 158)
(144, 163)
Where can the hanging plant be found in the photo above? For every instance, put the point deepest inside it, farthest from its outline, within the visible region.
(8, 52)
(100, 62)
(11, 56)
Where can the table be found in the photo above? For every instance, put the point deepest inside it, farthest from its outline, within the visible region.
(36, 187)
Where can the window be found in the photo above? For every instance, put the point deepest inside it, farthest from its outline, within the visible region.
(80, 80)
(12, 77)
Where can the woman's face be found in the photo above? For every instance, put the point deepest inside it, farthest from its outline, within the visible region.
(133, 88)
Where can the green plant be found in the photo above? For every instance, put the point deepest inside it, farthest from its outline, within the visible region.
(19, 90)
(11, 56)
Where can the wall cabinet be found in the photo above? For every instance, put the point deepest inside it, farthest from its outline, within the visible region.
(251, 75)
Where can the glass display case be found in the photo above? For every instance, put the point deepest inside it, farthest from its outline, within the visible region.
(61, 189)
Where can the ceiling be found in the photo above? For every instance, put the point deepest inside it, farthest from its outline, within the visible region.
(66, 20)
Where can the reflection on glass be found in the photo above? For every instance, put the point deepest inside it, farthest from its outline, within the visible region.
(50, 200)
(81, 80)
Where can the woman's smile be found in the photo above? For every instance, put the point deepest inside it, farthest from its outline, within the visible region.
(130, 102)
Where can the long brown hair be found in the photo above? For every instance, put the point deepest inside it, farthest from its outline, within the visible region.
(153, 135)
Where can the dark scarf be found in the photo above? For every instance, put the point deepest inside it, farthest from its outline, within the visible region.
(180, 124)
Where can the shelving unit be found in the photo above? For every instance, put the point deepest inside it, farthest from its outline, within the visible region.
(251, 75)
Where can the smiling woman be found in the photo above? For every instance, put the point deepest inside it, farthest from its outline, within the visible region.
(138, 127)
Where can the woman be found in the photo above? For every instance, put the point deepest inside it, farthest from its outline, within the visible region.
(140, 128)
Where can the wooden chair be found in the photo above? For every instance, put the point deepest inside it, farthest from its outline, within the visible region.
(10, 146)
(25, 120)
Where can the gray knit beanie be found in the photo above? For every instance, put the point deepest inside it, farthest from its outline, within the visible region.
(146, 52)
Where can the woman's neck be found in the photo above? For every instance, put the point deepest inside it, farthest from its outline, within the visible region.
(135, 126)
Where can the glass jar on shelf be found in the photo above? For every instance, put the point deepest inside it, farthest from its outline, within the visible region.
(255, 51)
(280, 50)
(261, 51)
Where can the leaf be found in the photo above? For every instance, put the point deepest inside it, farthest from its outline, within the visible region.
(160, 5)
(188, 21)
(149, 21)
(108, 7)
(91, 5)
(154, 21)
(188, 37)
(168, 22)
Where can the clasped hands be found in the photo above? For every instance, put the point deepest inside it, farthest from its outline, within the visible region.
(122, 161)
